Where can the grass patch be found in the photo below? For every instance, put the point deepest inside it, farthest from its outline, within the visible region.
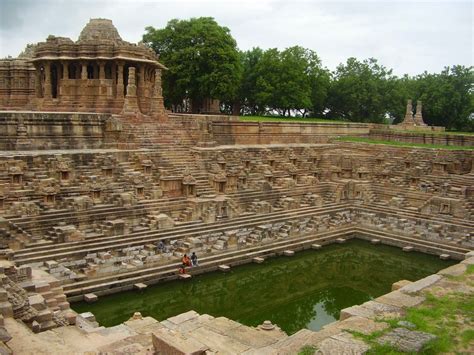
(402, 144)
(307, 350)
(288, 119)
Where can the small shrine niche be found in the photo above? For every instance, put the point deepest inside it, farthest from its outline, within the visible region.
(96, 194)
(147, 167)
(64, 175)
(140, 191)
(16, 178)
(50, 199)
(107, 171)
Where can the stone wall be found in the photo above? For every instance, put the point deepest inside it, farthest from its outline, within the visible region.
(46, 130)
(422, 137)
(283, 132)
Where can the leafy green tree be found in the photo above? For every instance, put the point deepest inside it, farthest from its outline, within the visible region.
(202, 58)
(248, 88)
(361, 91)
(448, 97)
(285, 82)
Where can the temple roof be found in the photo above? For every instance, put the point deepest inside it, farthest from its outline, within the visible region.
(99, 29)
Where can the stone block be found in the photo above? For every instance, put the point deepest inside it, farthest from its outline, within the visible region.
(166, 341)
(224, 268)
(63, 305)
(140, 286)
(444, 257)
(288, 253)
(3, 295)
(35, 327)
(258, 260)
(421, 284)
(41, 287)
(408, 248)
(340, 240)
(316, 246)
(399, 284)
(4, 335)
(375, 241)
(44, 316)
(185, 276)
(37, 302)
(6, 309)
(88, 316)
(90, 297)
(406, 340)
(70, 316)
(51, 264)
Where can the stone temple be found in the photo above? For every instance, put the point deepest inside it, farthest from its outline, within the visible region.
(95, 173)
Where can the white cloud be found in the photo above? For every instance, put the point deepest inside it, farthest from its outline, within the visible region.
(408, 36)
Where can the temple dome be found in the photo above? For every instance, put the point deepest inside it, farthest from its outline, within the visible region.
(99, 29)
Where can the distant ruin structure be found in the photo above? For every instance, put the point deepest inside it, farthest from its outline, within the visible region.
(413, 120)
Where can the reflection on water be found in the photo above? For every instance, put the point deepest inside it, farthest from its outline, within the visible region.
(305, 291)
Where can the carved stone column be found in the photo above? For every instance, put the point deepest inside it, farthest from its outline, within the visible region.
(83, 70)
(38, 87)
(62, 82)
(130, 105)
(47, 81)
(157, 109)
(120, 87)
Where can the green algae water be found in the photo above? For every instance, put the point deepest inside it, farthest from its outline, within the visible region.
(307, 290)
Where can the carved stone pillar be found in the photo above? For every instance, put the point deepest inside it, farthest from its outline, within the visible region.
(62, 82)
(130, 105)
(120, 87)
(83, 70)
(101, 70)
(157, 109)
(38, 88)
(47, 81)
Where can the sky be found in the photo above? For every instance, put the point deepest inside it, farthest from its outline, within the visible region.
(406, 36)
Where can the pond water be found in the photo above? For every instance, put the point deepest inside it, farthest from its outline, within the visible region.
(307, 290)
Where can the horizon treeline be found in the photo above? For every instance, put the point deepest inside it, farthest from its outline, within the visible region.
(204, 62)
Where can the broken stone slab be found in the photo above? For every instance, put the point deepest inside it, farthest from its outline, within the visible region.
(419, 285)
(184, 276)
(340, 240)
(375, 241)
(90, 297)
(342, 343)
(258, 260)
(399, 284)
(406, 340)
(224, 268)
(316, 246)
(444, 256)
(288, 253)
(408, 248)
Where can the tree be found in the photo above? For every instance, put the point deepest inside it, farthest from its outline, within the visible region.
(285, 82)
(202, 58)
(448, 97)
(250, 61)
(361, 91)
